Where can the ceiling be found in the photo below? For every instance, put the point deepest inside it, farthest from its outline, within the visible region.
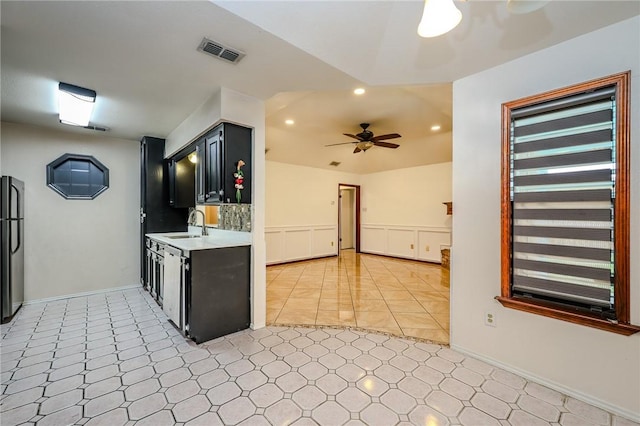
(141, 59)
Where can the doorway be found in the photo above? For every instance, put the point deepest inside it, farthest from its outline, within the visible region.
(349, 217)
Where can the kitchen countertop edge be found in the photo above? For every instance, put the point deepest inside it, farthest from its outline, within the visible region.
(216, 239)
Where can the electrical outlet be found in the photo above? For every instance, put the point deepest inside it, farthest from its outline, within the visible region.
(426, 248)
(490, 319)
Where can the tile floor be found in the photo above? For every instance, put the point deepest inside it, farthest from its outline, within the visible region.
(113, 359)
(397, 296)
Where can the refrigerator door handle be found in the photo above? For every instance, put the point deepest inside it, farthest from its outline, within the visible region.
(14, 251)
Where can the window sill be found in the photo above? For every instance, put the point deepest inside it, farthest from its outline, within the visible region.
(546, 310)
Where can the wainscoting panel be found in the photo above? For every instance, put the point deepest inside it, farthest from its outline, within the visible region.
(373, 239)
(325, 241)
(401, 243)
(275, 246)
(297, 244)
(430, 243)
(291, 243)
(410, 242)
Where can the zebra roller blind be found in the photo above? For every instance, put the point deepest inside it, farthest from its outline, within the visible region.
(562, 190)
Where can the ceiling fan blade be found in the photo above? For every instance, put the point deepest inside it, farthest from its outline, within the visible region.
(384, 137)
(341, 143)
(353, 136)
(357, 150)
(386, 144)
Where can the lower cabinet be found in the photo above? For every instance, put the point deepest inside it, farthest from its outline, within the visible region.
(205, 293)
(218, 292)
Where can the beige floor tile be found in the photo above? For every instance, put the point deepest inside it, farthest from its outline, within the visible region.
(436, 307)
(390, 286)
(375, 319)
(272, 314)
(428, 296)
(369, 305)
(278, 292)
(405, 306)
(296, 316)
(276, 302)
(335, 293)
(396, 295)
(442, 319)
(384, 294)
(439, 336)
(277, 283)
(300, 304)
(305, 293)
(328, 285)
(343, 304)
(366, 294)
(310, 284)
(416, 320)
(345, 318)
(309, 279)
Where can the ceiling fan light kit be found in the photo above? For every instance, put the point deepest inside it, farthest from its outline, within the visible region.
(441, 16)
(366, 140)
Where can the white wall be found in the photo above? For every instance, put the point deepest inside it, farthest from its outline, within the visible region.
(231, 106)
(411, 196)
(598, 366)
(401, 211)
(300, 195)
(403, 214)
(75, 246)
(302, 211)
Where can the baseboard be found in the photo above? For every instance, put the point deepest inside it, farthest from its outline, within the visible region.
(83, 294)
(390, 256)
(614, 409)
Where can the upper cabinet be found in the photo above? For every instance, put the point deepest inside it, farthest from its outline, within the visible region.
(227, 147)
(200, 171)
(222, 172)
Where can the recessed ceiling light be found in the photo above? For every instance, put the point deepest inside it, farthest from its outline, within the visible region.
(359, 91)
(435, 127)
(289, 122)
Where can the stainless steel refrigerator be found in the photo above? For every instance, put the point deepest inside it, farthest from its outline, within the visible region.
(12, 237)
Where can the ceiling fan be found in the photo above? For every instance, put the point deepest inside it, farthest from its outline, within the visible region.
(366, 139)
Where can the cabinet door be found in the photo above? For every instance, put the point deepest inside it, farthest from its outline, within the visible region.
(214, 192)
(200, 172)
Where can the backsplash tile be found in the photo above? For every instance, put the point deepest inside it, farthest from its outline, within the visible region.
(235, 217)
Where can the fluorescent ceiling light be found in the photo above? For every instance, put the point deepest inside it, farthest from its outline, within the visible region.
(438, 17)
(76, 104)
(435, 127)
(289, 122)
(359, 91)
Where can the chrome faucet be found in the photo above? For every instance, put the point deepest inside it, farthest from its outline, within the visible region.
(194, 221)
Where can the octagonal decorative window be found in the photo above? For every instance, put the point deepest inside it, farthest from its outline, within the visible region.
(77, 177)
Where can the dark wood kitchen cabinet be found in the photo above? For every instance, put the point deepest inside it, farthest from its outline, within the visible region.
(156, 215)
(200, 171)
(224, 146)
(217, 154)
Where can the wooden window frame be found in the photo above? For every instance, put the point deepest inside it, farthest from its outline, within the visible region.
(621, 212)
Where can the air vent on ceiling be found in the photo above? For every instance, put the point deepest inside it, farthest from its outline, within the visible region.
(220, 51)
(334, 163)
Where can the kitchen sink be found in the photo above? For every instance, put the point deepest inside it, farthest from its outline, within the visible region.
(178, 237)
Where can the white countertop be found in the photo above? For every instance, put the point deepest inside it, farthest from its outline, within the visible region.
(217, 238)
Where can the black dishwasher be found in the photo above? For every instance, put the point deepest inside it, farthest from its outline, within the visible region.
(219, 292)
